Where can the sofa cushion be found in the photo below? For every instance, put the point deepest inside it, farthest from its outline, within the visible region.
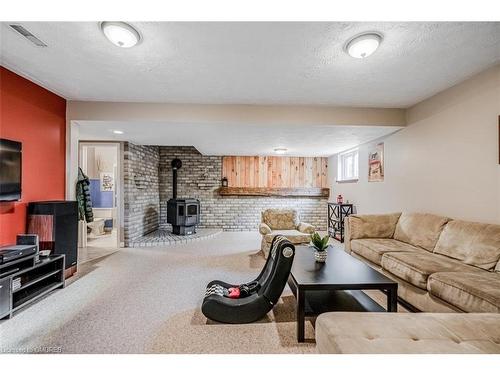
(372, 226)
(470, 292)
(385, 333)
(472, 243)
(281, 218)
(416, 267)
(418, 229)
(294, 236)
(373, 248)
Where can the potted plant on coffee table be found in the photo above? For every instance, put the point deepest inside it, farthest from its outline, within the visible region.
(320, 246)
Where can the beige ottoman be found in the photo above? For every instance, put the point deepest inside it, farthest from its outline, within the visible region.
(405, 333)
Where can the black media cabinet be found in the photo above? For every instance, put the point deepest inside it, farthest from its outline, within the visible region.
(24, 280)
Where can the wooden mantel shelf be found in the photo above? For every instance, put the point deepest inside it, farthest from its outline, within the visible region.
(277, 192)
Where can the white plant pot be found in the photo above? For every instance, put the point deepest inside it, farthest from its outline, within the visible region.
(320, 256)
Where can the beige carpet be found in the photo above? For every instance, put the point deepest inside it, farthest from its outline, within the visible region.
(189, 332)
(147, 300)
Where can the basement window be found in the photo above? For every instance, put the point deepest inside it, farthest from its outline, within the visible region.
(348, 166)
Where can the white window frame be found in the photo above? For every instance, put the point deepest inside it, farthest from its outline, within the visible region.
(348, 166)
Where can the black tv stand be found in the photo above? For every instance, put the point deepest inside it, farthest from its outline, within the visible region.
(22, 281)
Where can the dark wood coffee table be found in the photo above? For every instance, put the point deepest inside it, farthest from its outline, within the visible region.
(335, 285)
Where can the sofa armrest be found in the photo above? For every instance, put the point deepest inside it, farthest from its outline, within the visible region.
(305, 228)
(347, 236)
(264, 229)
(371, 226)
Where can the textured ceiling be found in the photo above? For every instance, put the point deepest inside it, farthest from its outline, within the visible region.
(253, 63)
(244, 139)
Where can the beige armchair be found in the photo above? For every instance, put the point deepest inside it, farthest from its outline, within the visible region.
(285, 222)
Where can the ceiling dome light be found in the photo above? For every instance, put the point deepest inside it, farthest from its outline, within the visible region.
(280, 150)
(363, 45)
(117, 131)
(120, 34)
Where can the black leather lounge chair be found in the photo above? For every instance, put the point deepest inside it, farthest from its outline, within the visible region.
(262, 298)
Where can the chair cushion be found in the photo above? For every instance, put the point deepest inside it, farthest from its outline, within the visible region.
(472, 243)
(281, 218)
(294, 236)
(470, 292)
(374, 248)
(421, 230)
(386, 333)
(416, 267)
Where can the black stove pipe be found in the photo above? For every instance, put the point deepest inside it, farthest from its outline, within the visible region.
(176, 164)
(174, 186)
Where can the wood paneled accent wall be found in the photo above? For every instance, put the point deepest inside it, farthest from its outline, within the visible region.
(275, 171)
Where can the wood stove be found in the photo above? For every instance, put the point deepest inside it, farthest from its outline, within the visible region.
(182, 213)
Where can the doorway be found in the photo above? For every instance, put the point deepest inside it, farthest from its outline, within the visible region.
(99, 233)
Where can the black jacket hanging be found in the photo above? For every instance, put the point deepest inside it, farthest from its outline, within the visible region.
(83, 197)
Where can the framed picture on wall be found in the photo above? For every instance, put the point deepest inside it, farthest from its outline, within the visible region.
(376, 163)
(107, 181)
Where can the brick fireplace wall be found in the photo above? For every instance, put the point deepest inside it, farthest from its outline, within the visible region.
(141, 190)
(148, 187)
(200, 176)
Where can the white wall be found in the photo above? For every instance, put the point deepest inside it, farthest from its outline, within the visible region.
(213, 113)
(100, 159)
(233, 114)
(445, 161)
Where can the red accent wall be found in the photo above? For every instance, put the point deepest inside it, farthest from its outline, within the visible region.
(36, 117)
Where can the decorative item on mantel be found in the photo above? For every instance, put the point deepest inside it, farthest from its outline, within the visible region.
(320, 246)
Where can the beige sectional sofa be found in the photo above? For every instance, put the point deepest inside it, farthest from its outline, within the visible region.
(389, 333)
(440, 264)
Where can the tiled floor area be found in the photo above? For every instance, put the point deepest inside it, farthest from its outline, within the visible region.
(97, 247)
(103, 240)
(163, 237)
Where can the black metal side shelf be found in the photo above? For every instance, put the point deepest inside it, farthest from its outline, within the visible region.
(337, 212)
(30, 283)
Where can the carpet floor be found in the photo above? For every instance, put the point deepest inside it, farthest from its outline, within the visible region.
(147, 300)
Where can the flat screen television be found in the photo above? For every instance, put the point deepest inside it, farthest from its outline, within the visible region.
(10, 170)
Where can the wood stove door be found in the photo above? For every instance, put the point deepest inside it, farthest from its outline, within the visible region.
(192, 210)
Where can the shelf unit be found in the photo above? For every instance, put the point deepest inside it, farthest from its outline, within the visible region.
(274, 192)
(34, 280)
(336, 215)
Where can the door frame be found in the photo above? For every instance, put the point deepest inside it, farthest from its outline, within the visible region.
(118, 182)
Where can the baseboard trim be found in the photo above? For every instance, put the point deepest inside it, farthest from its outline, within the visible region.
(70, 271)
